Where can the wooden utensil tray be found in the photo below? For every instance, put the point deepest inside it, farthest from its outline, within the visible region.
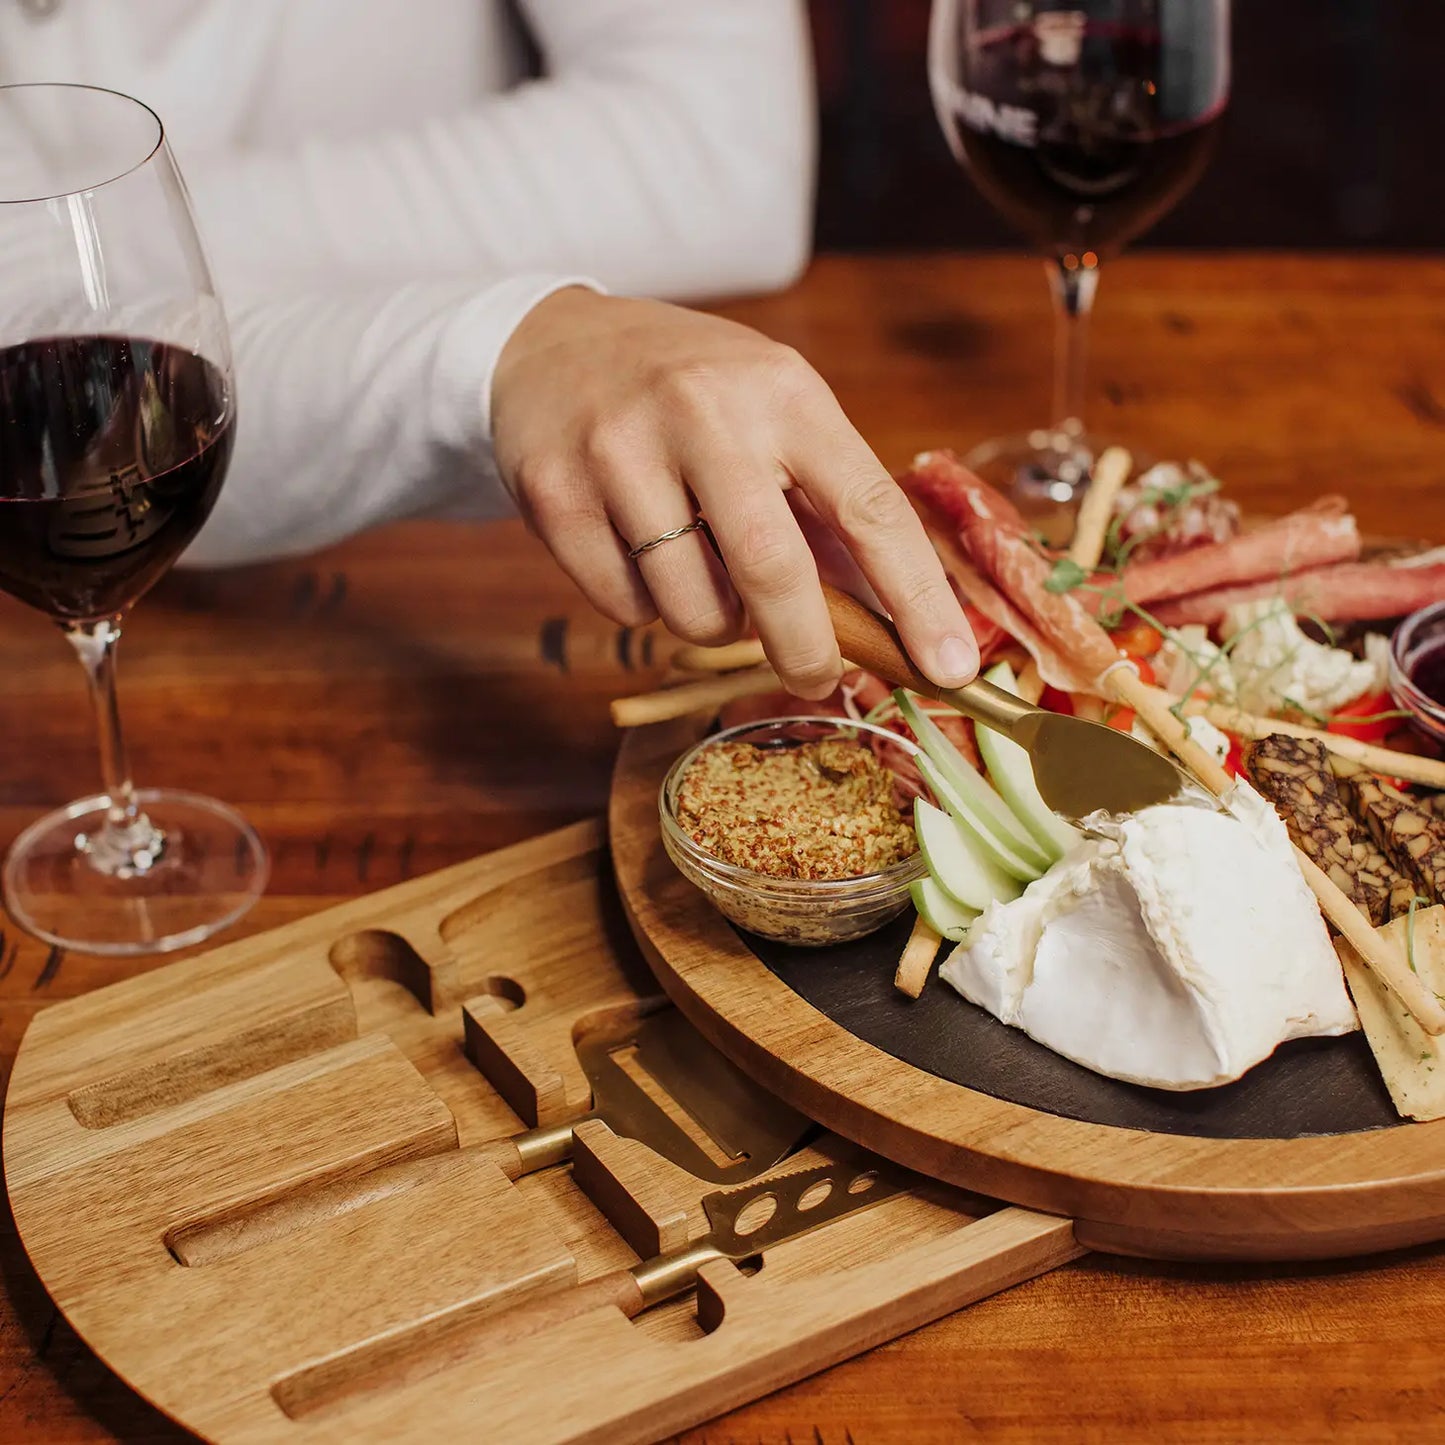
(144, 1119)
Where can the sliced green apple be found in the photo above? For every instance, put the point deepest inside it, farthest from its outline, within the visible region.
(958, 863)
(942, 914)
(1012, 773)
(985, 809)
(976, 829)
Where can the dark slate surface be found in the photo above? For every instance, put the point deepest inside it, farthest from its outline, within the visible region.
(1311, 1086)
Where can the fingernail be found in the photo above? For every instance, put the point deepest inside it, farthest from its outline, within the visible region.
(957, 661)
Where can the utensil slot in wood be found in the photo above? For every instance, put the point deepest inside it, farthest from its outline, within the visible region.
(428, 1347)
(239, 1230)
(148, 1088)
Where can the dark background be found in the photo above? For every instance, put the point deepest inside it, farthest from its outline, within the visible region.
(1335, 135)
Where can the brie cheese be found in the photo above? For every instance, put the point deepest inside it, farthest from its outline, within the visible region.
(1177, 950)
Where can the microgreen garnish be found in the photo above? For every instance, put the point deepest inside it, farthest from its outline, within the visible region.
(1065, 576)
(1170, 500)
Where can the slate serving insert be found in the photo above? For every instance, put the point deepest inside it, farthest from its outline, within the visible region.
(1310, 1086)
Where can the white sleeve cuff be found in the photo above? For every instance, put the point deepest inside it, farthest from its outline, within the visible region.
(468, 351)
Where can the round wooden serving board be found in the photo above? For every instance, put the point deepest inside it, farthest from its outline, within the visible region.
(1303, 1158)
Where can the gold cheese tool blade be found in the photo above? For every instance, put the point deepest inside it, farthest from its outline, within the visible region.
(1079, 767)
(801, 1202)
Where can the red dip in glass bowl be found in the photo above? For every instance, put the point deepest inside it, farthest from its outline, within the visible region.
(1417, 669)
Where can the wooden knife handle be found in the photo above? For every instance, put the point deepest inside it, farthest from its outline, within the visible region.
(213, 1240)
(871, 642)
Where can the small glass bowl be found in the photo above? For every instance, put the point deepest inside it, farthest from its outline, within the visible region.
(809, 913)
(1420, 632)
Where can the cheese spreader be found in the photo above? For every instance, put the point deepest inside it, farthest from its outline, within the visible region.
(751, 1130)
(1079, 767)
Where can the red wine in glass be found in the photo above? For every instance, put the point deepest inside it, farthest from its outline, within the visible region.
(117, 419)
(1083, 122)
(111, 457)
(1080, 160)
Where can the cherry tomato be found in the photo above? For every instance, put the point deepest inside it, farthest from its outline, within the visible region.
(1121, 718)
(1136, 638)
(1368, 706)
(1056, 700)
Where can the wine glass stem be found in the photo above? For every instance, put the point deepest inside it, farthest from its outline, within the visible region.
(1072, 283)
(128, 844)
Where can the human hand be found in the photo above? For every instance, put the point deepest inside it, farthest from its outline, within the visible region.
(615, 421)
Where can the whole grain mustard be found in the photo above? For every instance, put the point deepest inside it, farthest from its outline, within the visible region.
(822, 810)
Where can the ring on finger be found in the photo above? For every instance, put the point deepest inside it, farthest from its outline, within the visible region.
(698, 524)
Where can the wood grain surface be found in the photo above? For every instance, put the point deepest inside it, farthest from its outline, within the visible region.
(420, 695)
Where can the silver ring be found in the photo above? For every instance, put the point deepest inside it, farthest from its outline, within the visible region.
(694, 526)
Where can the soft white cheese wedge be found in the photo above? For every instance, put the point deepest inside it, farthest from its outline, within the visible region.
(1178, 950)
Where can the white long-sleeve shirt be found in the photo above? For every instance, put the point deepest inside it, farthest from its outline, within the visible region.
(383, 197)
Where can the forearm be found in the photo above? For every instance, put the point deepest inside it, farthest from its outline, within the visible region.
(358, 408)
(668, 151)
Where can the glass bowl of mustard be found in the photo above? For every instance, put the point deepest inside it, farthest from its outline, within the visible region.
(798, 829)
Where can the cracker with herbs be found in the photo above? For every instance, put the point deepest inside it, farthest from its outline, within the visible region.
(1412, 1063)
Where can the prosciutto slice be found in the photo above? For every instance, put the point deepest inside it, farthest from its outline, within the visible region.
(980, 597)
(951, 492)
(1315, 536)
(1350, 591)
(995, 567)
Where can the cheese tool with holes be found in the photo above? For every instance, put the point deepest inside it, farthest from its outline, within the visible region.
(744, 1223)
(1079, 767)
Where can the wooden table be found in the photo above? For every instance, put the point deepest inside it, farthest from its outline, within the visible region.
(427, 693)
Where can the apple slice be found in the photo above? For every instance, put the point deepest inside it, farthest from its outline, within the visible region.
(958, 864)
(986, 810)
(947, 918)
(975, 829)
(1012, 773)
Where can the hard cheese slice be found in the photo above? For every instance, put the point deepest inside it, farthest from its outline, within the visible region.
(1412, 1062)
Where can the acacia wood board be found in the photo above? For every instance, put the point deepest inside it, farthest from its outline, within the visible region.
(149, 1117)
(1142, 1179)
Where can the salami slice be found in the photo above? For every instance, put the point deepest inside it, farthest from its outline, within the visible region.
(1359, 591)
(1315, 536)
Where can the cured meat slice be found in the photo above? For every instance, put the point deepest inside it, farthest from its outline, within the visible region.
(1412, 837)
(1359, 591)
(988, 553)
(1316, 536)
(1006, 556)
(981, 597)
(1295, 775)
(947, 487)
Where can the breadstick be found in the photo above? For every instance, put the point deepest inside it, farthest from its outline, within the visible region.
(917, 958)
(1096, 511)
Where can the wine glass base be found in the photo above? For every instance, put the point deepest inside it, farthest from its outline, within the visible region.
(1045, 473)
(210, 871)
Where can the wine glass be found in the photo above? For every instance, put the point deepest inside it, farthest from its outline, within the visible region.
(117, 417)
(1083, 122)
